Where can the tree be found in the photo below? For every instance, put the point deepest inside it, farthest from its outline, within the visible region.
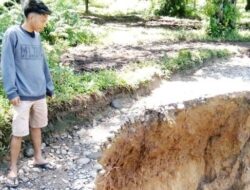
(87, 6)
(248, 5)
(223, 16)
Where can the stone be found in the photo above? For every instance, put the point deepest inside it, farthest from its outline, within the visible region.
(82, 133)
(28, 152)
(63, 151)
(70, 137)
(64, 135)
(21, 172)
(120, 103)
(78, 184)
(91, 185)
(43, 146)
(180, 106)
(83, 161)
(101, 172)
(87, 153)
(65, 181)
(95, 155)
(70, 174)
(76, 144)
(29, 184)
(93, 174)
(24, 179)
(26, 169)
(75, 127)
(55, 147)
(98, 167)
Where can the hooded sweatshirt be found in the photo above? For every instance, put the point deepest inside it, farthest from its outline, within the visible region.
(25, 69)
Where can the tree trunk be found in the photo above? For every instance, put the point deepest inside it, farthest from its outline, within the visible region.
(87, 6)
(248, 5)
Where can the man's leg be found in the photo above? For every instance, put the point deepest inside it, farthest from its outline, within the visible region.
(20, 128)
(15, 148)
(36, 137)
(38, 120)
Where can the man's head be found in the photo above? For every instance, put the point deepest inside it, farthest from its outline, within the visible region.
(36, 13)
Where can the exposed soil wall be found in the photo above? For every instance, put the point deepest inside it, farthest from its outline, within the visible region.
(203, 146)
(98, 101)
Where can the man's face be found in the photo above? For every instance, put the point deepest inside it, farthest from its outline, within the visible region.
(39, 21)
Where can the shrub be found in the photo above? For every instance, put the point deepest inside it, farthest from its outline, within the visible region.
(223, 16)
(66, 24)
(179, 8)
(189, 59)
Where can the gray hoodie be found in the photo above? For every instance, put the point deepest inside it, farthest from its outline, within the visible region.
(25, 70)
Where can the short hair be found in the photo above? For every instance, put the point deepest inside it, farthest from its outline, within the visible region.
(35, 6)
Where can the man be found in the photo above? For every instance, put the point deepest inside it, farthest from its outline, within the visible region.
(27, 81)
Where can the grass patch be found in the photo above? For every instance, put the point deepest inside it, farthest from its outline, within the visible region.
(68, 84)
(187, 59)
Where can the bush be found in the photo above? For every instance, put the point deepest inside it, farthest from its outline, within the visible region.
(66, 24)
(172, 8)
(189, 59)
(223, 16)
(178, 8)
(9, 17)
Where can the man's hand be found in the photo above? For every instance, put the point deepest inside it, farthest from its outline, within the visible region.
(15, 101)
(51, 97)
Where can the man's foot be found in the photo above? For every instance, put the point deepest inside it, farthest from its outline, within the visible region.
(12, 178)
(46, 166)
(11, 182)
(43, 164)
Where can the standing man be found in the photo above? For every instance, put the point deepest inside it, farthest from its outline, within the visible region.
(27, 81)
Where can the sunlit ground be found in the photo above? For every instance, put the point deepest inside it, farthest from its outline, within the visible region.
(138, 35)
(132, 35)
(120, 6)
(221, 78)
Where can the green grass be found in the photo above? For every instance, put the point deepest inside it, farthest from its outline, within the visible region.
(68, 84)
(187, 59)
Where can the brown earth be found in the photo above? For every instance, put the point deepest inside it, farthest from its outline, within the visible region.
(204, 146)
(94, 58)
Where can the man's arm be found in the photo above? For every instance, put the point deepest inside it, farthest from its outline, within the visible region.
(49, 82)
(8, 67)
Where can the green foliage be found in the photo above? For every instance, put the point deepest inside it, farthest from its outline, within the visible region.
(172, 8)
(68, 84)
(5, 120)
(189, 59)
(65, 24)
(179, 8)
(248, 5)
(223, 15)
(9, 17)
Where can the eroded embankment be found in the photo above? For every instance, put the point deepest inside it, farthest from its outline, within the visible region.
(202, 145)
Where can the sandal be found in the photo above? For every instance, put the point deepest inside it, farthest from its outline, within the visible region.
(46, 166)
(12, 182)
